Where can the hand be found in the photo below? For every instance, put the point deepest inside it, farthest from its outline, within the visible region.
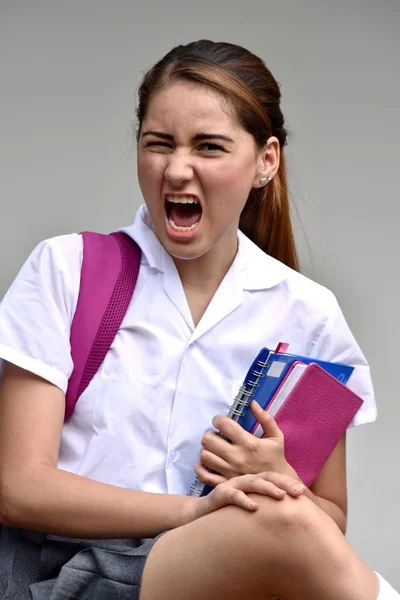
(234, 491)
(245, 453)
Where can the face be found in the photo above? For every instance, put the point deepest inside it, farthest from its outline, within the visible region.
(196, 167)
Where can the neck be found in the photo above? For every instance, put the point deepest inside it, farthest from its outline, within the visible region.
(207, 271)
(202, 276)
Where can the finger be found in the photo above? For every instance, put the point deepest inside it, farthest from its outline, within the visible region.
(216, 444)
(257, 485)
(215, 463)
(223, 496)
(292, 486)
(207, 477)
(266, 421)
(239, 498)
(232, 430)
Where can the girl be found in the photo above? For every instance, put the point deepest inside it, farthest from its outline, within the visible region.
(85, 502)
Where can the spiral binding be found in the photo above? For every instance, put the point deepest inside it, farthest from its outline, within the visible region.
(241, 402)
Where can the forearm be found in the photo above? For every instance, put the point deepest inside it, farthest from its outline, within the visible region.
(55, 501)
(329, 507)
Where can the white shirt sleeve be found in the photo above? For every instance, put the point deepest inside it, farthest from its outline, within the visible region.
(336, 343)
(37, 311)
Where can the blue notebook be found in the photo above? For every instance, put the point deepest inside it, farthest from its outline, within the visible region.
(264, 377)
(279, 365)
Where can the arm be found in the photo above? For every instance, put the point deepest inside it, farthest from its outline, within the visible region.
(329, 490)
(35, 494)
(247, 454)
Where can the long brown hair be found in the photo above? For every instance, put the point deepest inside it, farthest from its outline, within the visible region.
(250, 88)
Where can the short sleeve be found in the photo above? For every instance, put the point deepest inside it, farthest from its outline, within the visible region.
(37, 310)
(336, 343)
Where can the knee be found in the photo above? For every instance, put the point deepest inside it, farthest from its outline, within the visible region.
(288, 515)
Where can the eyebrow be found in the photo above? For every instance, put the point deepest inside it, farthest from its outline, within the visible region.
(197, 138)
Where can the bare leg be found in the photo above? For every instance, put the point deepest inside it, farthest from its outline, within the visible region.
(287, 548)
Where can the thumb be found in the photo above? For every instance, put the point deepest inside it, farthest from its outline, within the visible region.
(266, 421)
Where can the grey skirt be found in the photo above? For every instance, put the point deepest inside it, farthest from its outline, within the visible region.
(47, 567)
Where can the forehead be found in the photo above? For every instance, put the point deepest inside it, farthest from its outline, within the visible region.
(191, 105)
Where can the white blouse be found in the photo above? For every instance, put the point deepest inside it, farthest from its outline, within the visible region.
(140, 421)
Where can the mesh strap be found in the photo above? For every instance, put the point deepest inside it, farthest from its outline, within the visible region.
(110, 269)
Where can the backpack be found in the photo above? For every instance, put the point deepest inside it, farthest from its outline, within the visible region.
(110, 269)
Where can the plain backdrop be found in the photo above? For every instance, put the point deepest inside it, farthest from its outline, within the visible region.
(69, 71)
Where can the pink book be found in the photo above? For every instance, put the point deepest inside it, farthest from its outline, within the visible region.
(313, 418)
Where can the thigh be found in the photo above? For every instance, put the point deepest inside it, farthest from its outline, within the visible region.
(229, 553)
(288, 549)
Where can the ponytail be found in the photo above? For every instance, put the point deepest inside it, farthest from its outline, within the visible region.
(266, 219)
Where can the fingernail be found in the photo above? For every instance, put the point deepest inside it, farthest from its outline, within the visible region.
(281, 492)
(299, 488)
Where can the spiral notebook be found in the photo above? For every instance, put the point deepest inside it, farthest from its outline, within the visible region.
(310, 403)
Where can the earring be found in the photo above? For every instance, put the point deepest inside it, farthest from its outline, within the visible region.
(264, 180)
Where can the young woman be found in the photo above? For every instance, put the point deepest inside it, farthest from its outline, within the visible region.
(84, 502)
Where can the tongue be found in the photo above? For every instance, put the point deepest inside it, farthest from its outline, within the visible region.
(185, 215)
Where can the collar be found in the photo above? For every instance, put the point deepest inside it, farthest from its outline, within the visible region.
(258, 270)
(142, 231)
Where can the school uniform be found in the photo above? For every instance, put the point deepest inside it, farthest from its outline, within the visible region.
(139, 423)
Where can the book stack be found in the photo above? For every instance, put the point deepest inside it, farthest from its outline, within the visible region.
(309, 400)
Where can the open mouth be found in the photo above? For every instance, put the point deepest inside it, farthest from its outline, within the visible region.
(183, 212)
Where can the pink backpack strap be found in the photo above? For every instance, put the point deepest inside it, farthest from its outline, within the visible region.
(110, 268)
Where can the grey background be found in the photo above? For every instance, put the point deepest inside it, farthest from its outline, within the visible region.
(68, 76)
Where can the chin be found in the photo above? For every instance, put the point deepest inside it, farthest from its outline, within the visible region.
(184, 253)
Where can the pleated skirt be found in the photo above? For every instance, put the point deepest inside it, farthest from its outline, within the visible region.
(48, 567)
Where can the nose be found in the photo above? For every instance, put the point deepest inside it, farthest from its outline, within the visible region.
(179, 169)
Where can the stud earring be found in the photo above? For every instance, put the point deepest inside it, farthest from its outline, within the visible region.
(264, 180)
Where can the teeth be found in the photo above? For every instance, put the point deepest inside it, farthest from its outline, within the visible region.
(182, 200)
(178, 228)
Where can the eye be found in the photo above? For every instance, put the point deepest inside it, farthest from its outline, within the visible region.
(158, 143)
(211, 147)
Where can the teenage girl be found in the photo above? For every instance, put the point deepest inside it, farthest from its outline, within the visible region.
(96, 507)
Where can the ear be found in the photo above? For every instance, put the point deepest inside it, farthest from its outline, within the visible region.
(268, 159)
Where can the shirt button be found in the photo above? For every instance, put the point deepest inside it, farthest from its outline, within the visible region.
(172, 455)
